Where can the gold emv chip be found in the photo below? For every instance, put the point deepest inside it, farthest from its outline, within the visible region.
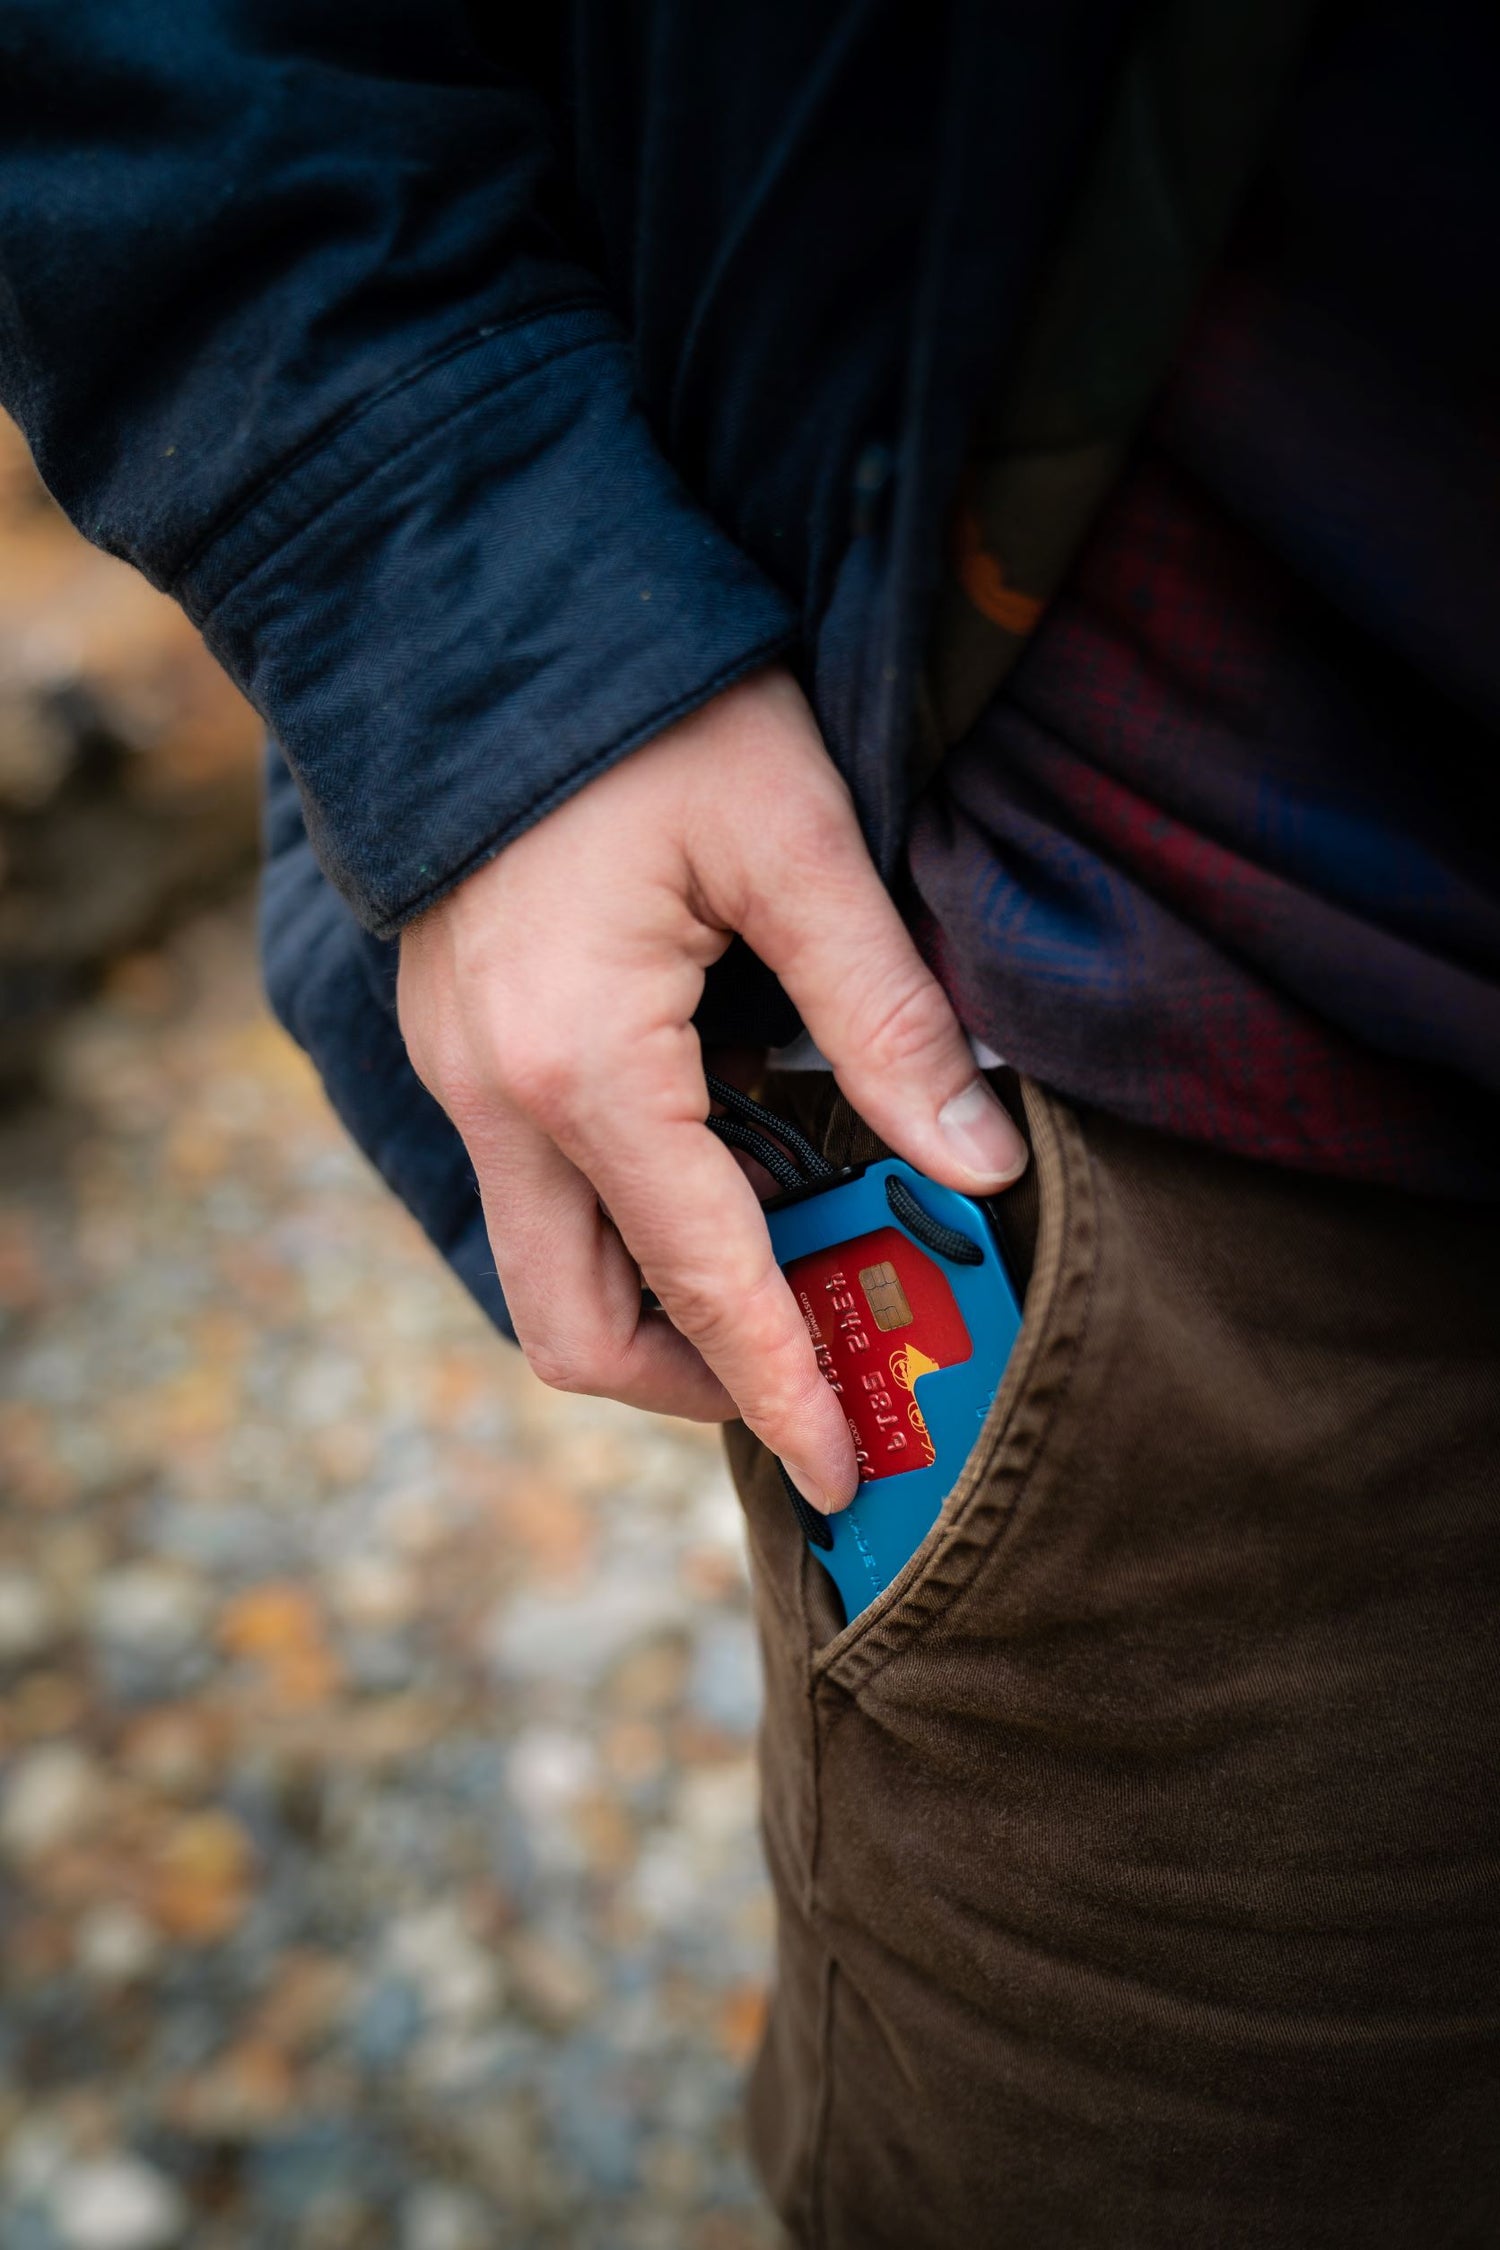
(885, 1296)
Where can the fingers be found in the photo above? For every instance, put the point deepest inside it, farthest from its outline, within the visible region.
(548, 1003)
(572, 1289)
(833, 936)
(692, 1222)
(730, 1338)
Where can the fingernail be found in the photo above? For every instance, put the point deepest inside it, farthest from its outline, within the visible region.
(982, 1137)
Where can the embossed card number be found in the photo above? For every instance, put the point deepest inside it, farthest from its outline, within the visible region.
(880, 1313)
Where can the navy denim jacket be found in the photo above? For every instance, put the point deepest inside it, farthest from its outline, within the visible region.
(493, 390)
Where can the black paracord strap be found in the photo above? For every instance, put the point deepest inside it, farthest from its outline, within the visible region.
(776, 1161)
(814, 1526)
(815, 1165)
(933, 1234)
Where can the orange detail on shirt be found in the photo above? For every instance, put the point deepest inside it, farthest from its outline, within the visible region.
(983, 580)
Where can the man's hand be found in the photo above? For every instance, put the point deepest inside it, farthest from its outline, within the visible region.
(548, 1003)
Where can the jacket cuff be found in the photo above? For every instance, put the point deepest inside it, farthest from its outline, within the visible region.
(481, 588)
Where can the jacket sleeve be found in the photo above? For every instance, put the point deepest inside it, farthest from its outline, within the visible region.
(288, 323)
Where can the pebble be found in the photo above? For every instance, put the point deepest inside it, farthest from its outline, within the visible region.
(386, 2023)
(28, 1618)
(117, 2203)
(576, 1638)
(148, 1623)
(35, 2157)
(373, 1591)
(431, 1948)
(114, 1945)
(555, 1982)
(724, 1686)
(435, 2217)
(52, 1795)
(548, 1770)
(716, 1803)
(243, 2095)
(378, 1823)
(171, 1751)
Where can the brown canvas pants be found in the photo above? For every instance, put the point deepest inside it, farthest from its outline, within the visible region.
(1137, 1857)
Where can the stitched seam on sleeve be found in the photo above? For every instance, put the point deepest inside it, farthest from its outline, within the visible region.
(360, 483)
(327, 435)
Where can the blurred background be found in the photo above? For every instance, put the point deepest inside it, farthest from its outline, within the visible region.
(377, 1810)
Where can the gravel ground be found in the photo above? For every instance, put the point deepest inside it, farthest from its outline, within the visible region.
(377, 1852)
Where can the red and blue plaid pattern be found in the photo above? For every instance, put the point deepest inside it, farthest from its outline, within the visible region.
(1221, 862)
(1223, 856)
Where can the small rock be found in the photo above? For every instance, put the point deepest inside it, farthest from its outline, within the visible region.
(548, 1770)
(672, 2171)
(725, 1683)
(54, 1793)
(438, 2217)
(201, 1877)
(35, 2157)
(650, 1681)
(593, 2119)
(147, 1609)
(295, 2178)
(114, 1945)
(373, 1591)
(338, 2219)
(171, 1751)
(379, 1663)
(575, 1638)
(435, 1952)
(451, 2063)
(308, 1994)
(665, 1886)
(148, 1623)
(28, 2229)
(634, 1753)
(117, 2203)
(555, 1982)
(386, 2024)
(243, 2095)
(328, 1387)
(279, 1628)
(742, 2020)
(718, 1803)
(48, 1702)
(28, 1620)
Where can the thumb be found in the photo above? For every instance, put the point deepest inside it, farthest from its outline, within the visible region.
(880, 1016)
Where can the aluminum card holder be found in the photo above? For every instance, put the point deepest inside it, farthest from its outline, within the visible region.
(913, 1326)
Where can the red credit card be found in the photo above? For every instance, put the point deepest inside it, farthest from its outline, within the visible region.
(880, 1314)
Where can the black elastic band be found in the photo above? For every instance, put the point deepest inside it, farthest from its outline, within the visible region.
(815, 1165)
(933, 1234)
(776, 1161)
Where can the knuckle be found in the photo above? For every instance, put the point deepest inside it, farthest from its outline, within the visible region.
(911, 1025)
(434, 1049)
(570, 1366)
(753, 1315)
(541, 1075)
(462, 1088)
(701, 1305)
(785, 1378)
(456, 1082)
(822, 835)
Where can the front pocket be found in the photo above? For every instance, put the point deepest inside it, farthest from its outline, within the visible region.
(979, 1504)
